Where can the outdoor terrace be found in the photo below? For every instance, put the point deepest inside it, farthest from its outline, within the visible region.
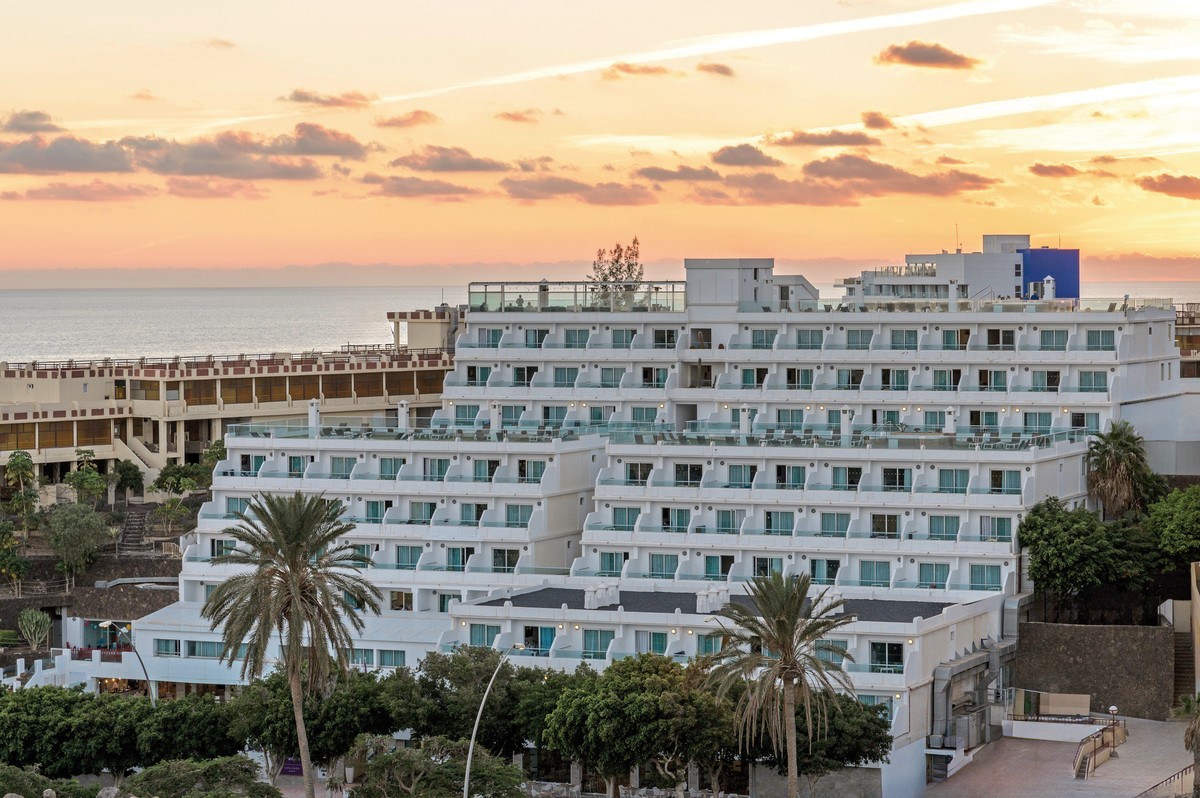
(889, 305)
(578, 297)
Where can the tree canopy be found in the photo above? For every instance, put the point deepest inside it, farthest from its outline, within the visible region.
(617, 265)
(1070, 551)
(76, 532)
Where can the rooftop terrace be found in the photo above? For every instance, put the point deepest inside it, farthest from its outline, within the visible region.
(881, 305)
(584, 296)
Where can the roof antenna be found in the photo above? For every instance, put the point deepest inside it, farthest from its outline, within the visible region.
(957, 243)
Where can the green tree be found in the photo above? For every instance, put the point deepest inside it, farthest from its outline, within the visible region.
(856, 735)
(434, 770)
(129, 477)
(1070, 551)
(1189, 710)
(228, 777)
(356, 705)
(36, 721)
(173, 510)
(618, 265)
(102, 734)
(302, 584)
(21, 474)
(192, 727)
(35, 627)
(214, 453)
(31, 783)
(76, 532)
(1118, 472)
(1176, 521)
(451, 686)
(533, 695)
(173, 478)
(90, 487)
(13, 566)
(774, 647)
(263, 717)
(402, 697)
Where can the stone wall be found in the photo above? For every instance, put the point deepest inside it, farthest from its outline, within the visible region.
(1131, 667)
(844, 783)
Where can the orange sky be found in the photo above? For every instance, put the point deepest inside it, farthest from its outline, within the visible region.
(242, 135)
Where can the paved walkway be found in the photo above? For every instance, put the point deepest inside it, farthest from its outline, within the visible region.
(1016, 768)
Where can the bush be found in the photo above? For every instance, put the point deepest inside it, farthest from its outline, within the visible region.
(186, 778)
(9, 638)
(31, 785)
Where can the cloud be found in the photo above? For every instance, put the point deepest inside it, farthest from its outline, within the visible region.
(713, 68)
(923, 54)
(539, 164)
(220, 44)
(312, 139)
(1097, 201)
(144, 95)
(625, 69)
(29, 122)
(1054, 170)
(96, 191)
(448, 159)
(763, 188)
(211, 188)
(529, 116)
(235, 155)
(688, 173)
(413, 187)
(946, 160)
(825, 138)
(347, 99)
(872, 178)
(411, 119)
(744, 155)
(540, 188)
(877, 120)
(36, 155)
(1183, 186)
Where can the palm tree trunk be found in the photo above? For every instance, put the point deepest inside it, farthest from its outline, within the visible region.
(1196, 772)
(789, 719)
(302, 735)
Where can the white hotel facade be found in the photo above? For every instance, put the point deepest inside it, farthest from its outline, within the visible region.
(611, 464)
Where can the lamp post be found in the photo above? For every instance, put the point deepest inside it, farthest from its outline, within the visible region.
(479, 715)
(123, 631)
(1112, 710)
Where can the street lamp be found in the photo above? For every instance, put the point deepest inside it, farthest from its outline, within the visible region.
(124, 631)
(1113, 711)
(479, 715)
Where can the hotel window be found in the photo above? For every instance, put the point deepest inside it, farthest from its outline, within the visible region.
(554, 415)
(663, 566)
(625, 518)
(887, 657)
(874, 573)
(799, 379)
(904, 339)
(676, 519)
(516, 516)
(762, 339)
(445, 599)
(832, 651)
(575, 338)
(885, 525)
(523, 375)
(754, 378)
(489, 337)
(848, 379)
(789, 477)
(654, 377)
(166, 648)
(401, 601)
(809, 339)
(1046, 381)
(664, 339)
(204, 649)
(935, 420)
(729, 522)
(421, 513)
(933, 574)
(530, 471)
(1086, 421)
(484, 470)
(302, 389)
(643, 415)
(985, 421)
(835, 524)
(637, 473)
(391, 658)
(362, 657)
(236, 505)
(600, 414)
(985, 577)
(1038, 422)
(701, 338)
(995, 528)
(363, 551)
(477, 376)
(220, 547)
(510, 415)
(780, 522)
(650, 642)
(96, 432)
(623, 339)
(955, 340)
(18, 436)
(565, 376)
(1001, 340)
(1093, 381)
(846, 477)
(993, 380)
(943, 527)
(710, 644)
(858, 339)
(350, 601)
(946, 379)
(717, 567)
(824, 572)
(742, 476)
(612, 562)
(610, 377)
(389, 467)
(535, 337)
(1005, 482)
(894, 379)
(1101, 340)
(885, 701)
(464, 415)
(406, 557)
(1053, 340)
(436, 468)
(457, 557)
(482, 634)
(237, 391)
(504, 561)
(766, 566)
(340, 467)
(338, 386)
(596, 642)
(897, 480)
(792, 418)
(953, 480)
(688, 475)
(539, 639)
(471, 513)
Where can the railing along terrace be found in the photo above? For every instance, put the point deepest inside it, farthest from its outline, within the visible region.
(882, 440)
(578, 297)
(345, 354)
(353, 428)
(896, 305)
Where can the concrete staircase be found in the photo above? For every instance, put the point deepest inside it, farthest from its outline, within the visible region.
(1185, 666)
(133, 532)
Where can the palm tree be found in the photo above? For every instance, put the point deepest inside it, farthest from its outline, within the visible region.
(1189, 710)
(19, 473)
(775, 642)
(301, 584)
(1116, 463)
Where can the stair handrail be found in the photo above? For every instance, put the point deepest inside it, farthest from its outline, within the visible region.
(1168, 780)
(1094, 741)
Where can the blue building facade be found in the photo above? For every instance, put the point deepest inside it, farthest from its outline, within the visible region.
(1061, 264)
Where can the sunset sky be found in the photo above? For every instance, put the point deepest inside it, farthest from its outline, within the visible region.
(234, 135)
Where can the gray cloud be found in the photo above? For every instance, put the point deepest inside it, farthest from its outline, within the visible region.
(528, 117)
(714, 68)
(549, 187)
(36, 155)
(347, 99)
(1182, 186)
(433, 158)
(29, 122)
(688, 173)
(876, 120)
(870, 178)
(825, 138)
(744, 155)
(96, 191)
(762, 188)
(924, 54)
(412, 187)
(211, 188)
(411, 119)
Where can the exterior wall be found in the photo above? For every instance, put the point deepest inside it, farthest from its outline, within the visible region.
(1131, 667)
(1061, 264)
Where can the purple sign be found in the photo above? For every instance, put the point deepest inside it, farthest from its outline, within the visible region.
(291, 767)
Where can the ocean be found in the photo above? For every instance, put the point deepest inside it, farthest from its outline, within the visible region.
(61, 324)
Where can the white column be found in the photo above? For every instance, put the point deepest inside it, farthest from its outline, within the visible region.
(314, 418)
